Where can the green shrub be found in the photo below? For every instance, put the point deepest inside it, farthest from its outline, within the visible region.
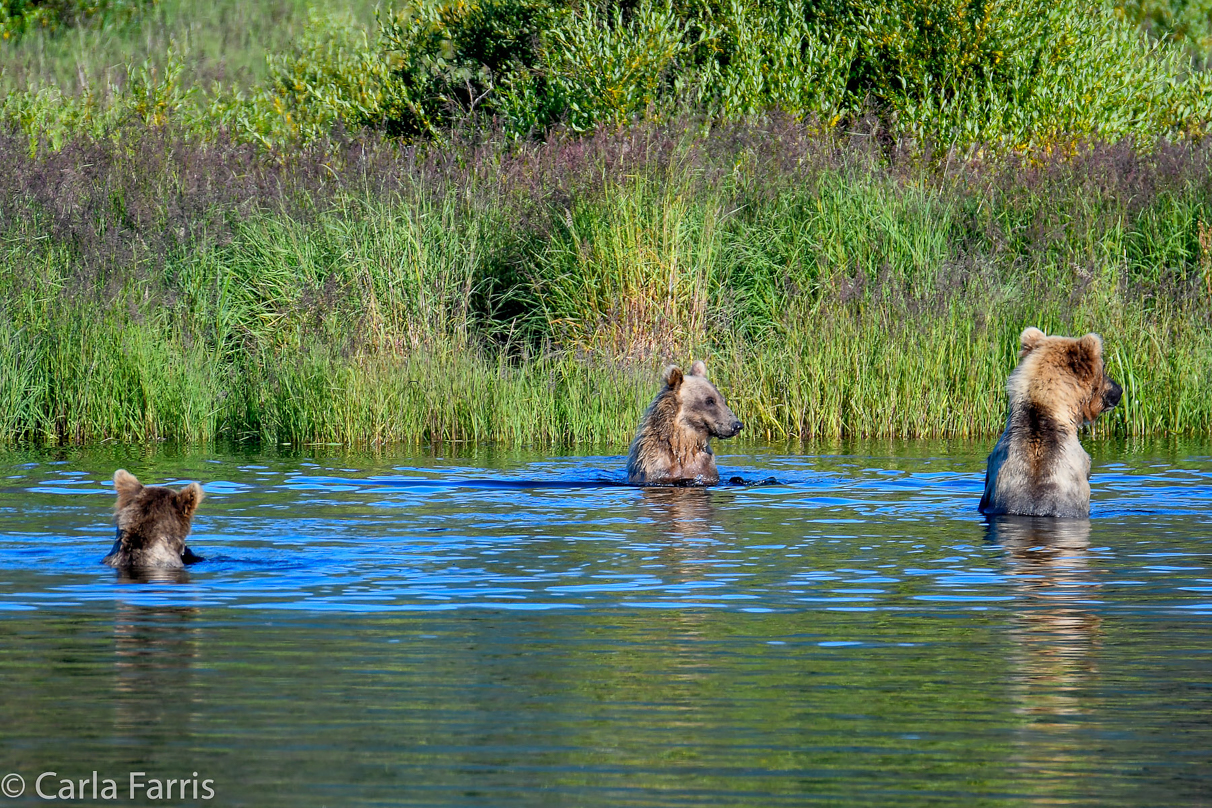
(152, 94)
(1039, 72)
(1001, 74)
(1009, 73)
(332, 75)
(447, 59)
(763, 58)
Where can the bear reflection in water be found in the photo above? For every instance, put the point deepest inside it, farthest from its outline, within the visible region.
(1055, 631)
(682, 525)
(155, 653)
(155, 575)
(680, 512)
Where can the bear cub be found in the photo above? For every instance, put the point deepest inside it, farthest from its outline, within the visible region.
(1038, 467)
(153, 523)
(671, 446)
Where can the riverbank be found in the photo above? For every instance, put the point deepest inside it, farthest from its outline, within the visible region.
(156, 286)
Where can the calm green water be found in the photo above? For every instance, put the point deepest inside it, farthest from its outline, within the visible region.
(504, 629)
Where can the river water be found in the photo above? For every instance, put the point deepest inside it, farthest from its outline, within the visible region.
(503, 628)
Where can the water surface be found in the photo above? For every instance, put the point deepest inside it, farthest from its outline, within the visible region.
(508, 629)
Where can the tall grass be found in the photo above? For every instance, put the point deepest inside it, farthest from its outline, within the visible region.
(358, 292)
(223, 40)
(634, 272)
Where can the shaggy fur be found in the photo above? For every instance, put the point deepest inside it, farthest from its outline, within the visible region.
(1038, 467)
(672, 444)
(153, 523)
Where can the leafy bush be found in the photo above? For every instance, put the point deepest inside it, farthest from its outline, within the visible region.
(332, 75)
(1014, 73)
(1027, 73)
(151, 95)
(449, 58)
(1001, 74)
(773, 58)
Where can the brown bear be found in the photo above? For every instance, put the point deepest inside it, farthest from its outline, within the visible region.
(671, 446)
(152, 524)
(1038, 467)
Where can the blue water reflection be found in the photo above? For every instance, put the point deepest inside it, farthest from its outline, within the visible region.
(315, 534)
(498, 628)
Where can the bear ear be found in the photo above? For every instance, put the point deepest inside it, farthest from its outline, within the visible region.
(672, 376)
(189, 497)
(1092, 344)
(1086, 356)
(126, 487)
(1029, 340)
(698, 369)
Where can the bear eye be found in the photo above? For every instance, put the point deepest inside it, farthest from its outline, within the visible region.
(710, 402)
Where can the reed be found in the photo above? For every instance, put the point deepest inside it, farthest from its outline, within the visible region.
(167, 288)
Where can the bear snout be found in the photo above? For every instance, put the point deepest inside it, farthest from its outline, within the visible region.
(725, 429)
(1113, 395)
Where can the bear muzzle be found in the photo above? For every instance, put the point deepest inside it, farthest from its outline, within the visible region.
(734, 429)
(1112, 395)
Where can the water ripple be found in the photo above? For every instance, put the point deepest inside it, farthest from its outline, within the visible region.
(890, 533)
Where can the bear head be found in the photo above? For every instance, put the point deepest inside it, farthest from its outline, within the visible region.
(702, 409)
(1062, 378)
(153, 523)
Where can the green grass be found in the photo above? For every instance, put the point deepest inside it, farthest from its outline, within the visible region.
(530, 296)
(223, 40)
(839, 376)
(852, 223)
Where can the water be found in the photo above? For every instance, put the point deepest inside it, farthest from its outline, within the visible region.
(504, 629)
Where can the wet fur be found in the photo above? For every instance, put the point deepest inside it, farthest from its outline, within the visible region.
(672, 445)
(1038, 467)
(153, 523)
